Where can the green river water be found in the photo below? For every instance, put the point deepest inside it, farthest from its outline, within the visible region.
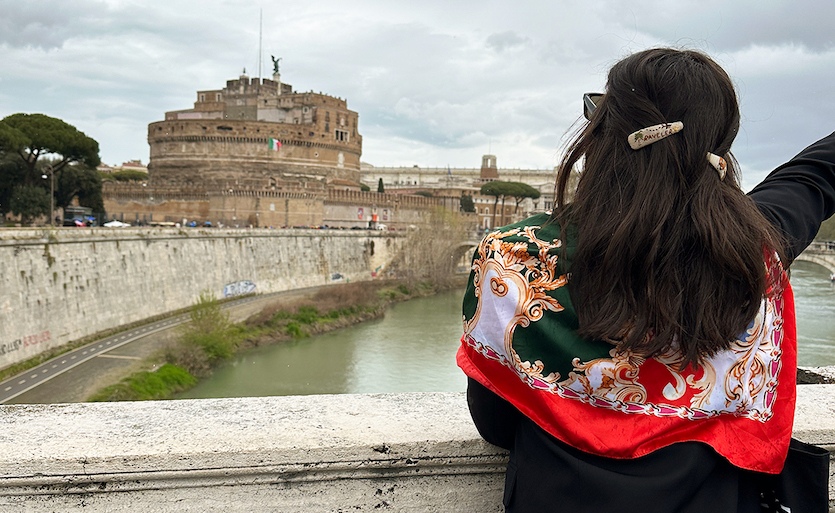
(412, 349)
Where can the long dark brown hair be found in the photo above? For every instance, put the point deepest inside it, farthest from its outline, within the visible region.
(667, 253)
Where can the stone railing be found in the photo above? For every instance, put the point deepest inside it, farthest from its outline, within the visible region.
(400, 452)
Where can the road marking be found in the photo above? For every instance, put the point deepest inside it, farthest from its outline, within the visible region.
(63, 361)
(22, 381)
(44, 371)
(100, 346)
(123, 337)
(109, 342)
(119, 357)
(72, 357)
(85, 352)
(54, 366)
(7, 389)
(33, 376)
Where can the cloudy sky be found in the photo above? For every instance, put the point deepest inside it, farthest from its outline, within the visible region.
(435, 83)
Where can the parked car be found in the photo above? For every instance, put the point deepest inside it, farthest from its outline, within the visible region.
(115, 224)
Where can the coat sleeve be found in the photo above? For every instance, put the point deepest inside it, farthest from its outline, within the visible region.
(799, 195)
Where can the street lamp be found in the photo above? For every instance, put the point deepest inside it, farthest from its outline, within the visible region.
(150, 203)
(48, 169)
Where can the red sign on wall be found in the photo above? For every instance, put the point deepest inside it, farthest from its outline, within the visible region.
(359, 213)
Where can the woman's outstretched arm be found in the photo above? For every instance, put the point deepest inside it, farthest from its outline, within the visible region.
(799, 195)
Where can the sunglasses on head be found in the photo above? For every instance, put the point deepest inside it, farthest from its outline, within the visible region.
(590, 103)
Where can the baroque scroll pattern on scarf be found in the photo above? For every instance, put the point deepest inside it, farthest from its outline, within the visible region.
(514, 274)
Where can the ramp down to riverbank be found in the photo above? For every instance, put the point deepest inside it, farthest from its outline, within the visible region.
(397, 452)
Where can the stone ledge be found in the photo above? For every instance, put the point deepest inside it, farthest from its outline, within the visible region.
(407, 452)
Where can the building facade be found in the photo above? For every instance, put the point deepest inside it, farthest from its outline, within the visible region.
(448, 182)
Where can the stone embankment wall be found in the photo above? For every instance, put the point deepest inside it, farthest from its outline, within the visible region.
(59, 285)
(392, 452)
(303, 205)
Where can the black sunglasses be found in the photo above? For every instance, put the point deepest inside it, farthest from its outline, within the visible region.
(590, 102)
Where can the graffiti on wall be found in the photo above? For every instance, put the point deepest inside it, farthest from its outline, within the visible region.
(238, 288)
(28, 340)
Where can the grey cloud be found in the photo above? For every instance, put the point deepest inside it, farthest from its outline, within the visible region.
(47, 24)
(719, 25)
(506, 40)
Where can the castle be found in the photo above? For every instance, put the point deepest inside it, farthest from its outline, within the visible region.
(256, 134)
(257, 153)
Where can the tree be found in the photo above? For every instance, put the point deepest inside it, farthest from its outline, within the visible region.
(827, 230)
(12, 172)
(499, 190)
(365, 188)
(33, 135)
(81, 182)
(11, 138)
(29, 201)
(520, 191)
(25, 138)
(467, 204)
(128, 175)
(380, 187)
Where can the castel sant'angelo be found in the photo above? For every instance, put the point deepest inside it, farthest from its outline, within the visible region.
(225, 140)
(257, 153)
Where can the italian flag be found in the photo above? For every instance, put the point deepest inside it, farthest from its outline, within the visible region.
(275, 144)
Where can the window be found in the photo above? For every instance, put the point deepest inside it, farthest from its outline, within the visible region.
(202, 97)
(217, 97)
(341, 135)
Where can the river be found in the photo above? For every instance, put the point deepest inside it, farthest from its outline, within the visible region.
(412, 349)
(814, 297)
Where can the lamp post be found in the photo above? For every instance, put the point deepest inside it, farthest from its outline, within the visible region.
(150, 204)
(48, 168)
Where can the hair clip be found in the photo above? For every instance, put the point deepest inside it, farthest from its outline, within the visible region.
(718, 163)
(655, 133)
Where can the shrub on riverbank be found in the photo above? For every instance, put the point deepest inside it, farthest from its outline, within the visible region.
(207, 340)
(141, 386)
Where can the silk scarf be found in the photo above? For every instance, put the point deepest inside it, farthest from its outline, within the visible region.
(520, 342)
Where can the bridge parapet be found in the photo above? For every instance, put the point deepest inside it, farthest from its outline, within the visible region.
(822, 247)
(406, 452)
(821, 253)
